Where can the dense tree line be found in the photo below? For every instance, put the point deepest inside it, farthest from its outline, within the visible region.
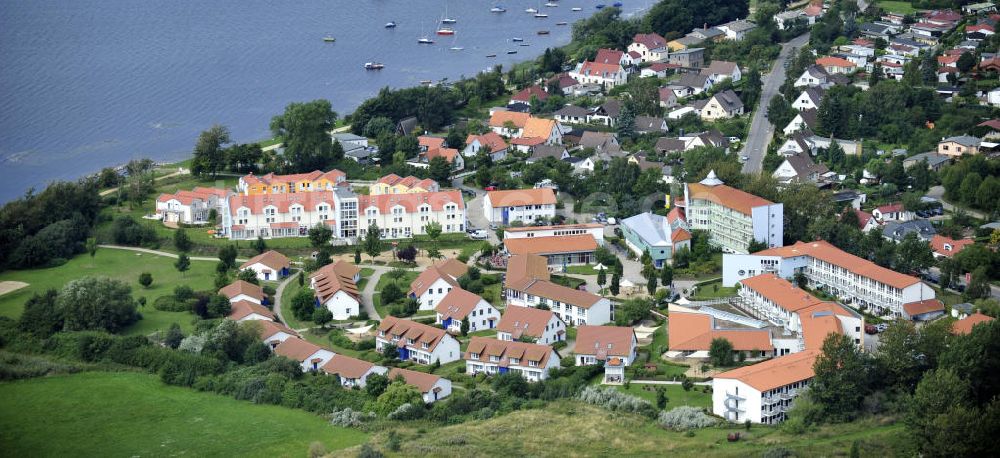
(973, 181)
(674, 18)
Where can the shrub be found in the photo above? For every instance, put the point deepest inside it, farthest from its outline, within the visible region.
(406, 412)
(559, 345)
(172, 304)
(269, 290)
(684, 418)
(349, 417)
(615, 400)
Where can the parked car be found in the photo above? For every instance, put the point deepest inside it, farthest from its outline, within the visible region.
(479, 234)
(612, 221)
(881, 327)
(871, 329)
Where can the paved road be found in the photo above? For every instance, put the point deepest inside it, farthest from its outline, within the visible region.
(761, 130)
(937, 192)
(369, 291)
(278, 292)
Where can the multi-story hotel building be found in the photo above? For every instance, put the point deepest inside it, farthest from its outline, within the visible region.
(316, 180)
(732, 217)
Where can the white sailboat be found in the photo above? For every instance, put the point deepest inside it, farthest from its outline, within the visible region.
(455, 46)
(445, 19)
(539, 14)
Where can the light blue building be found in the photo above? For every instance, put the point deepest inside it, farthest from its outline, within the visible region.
(661, 236)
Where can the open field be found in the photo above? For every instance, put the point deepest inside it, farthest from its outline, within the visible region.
(122, 265)
(129, 414)
(676, 396)
(584, 430)
(897, 7)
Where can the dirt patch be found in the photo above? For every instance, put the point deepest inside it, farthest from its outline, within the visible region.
(10, 286)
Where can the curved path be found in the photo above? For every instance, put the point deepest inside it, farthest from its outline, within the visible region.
(277, 299)
(163, 253)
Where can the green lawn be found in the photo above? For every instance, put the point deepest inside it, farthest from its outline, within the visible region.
(567, 281)
(130, 414)
(366, 273)
(582, 270)
(676, 396)
(713, 290)
(403, 283)
(286, 306)
(123, 265)
(897, 7)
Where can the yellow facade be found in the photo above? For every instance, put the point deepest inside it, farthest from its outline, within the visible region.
(382, 188)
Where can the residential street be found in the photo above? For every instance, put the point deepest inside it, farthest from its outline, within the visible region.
(761, 130)
(937, 192)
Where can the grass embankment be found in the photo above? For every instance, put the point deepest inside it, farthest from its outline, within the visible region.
(129, 414)
(676, 396)
(586, 430)
(897, 7)
(122, 265)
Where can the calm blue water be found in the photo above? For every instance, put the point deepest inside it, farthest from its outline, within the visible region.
(86, 84)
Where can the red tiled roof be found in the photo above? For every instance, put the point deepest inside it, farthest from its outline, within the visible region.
(922, 307)
(890, 208)
(551, 245)
(270, 258)
(411, 202)
(448, 270)
(296, 349)
(604, 341)
(408, 329)
(520, 197)
(775, 373)
(694, 332)
(421, 380)
(457, 304)
(448, 154)
(244, 308)
(609, 56)
(527, 141)
(949, 247)
(519, 321)
(347, 367)
(728, 197)
(780, 291)
(600, 69)
(335, 277)
(524, 95)
(256, 203)
(491, 139)
(650, 40)
(830, 61)
(965, 325)
(485, 347)
(499, 118)
(430, 142)
(241, 287)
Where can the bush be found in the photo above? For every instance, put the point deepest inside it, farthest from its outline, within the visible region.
(172, 304)
(684, 418)
(127, 231)
(406, 412)
(559, 345)
(612, 399)
(349, 417)
(269, 290)
(183, 292)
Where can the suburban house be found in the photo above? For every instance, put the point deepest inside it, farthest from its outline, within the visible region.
(335, 287)
(835, 65)
(660, 236)
(273, 333)
(720, 70)
(606, 75)
(925, 310)
(803, 120)
(896, 231)
(732, 217)
(650, 125)
(600, 142)
(814, 75)
(562, 250)
(737, 30)
(246, 217)
(964, 326)
(614, 346)
(810, 99)
(658, 70)
(892, 212)
(574, 307)
(697, 83)
(394, 184)
(309, 355)
(524, 205)
(957, 146)
(607, 113)
(436, 282)
(417, 342)
(531, 92)
(432, 387)
(801, 168)
(240, 290)
(541, 152)
(269, 265)
(190, 207)
(244, 310)
(722, 105)
(316, 180)
(450, 155)
(858, 282)
(521, 323)
(572, 114)
(948, 247)
(932, 160)
(491, 143)
(508, 123)
(650, 46)
(492, 356)
(459, 305)
(689, 57)
(353, 372)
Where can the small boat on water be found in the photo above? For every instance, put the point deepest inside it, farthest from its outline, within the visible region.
(498, 9)
(329, 39)
(561, 23)
(448, 20)
(517, 39)
(426, 82)
(445, 31)
(541, 15)
(491, 55)
(551, 5)
(524, 44)
(599, 6)
(543, 32)
(530, 10)
(456, 48)
(617, 4)
(425, 41)
(576, 8)
(512, 52)
(374, 66)
(390, 25)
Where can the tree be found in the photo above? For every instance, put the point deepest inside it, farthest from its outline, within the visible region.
(305, 128)
(720, 352)
(433, 230)
(391, 293)
(602, 278)
(218, 306)
(181, 240)
(666, 275)
(651, 284)
(661, 398)
(395, 395)
(465, 326)
(92, 246)
(408, 253)
(357, 255)
(183, 263)
(96, 303)
(145, 279)
(260, 245)
(439, 169)
(898, 355)
(913, 254)
(979, 286)
(243, 158)
(322, 316)
(751, 87)
(615, 284)
(626, 122)
(756, 245)
(174, 336)
(209, 155)
(41, 317)
(876, 75)
(248, 275)
(965, 62)
(511, 384)
(303, 304)
(227, 255)
(841, 381)
(455, 139)
(320, 235)
(378, 126)
(373, 241)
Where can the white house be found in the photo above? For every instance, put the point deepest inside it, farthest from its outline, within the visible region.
(335, 286)
(809, 99)
(606, 75)
(353, 372)
(814, 75)
(803, 120)
(240, 290)
(721, 70)
(893, 212)
(614, 346)
(432, 387)
(433, 284)
(524, 205)
(651, 46)
(417, 342)
(573, 306)
(762, 393)
(244, 310)
(190, 207)
(460, 304)
(269, 265)
(310, 356)
(491, 142)
(273, 333)
(492, 356)
(542, 326)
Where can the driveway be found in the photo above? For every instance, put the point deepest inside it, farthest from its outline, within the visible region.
(278, 292)
(761, 130)
(937, 193)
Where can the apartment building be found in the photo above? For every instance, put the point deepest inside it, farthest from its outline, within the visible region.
(856, 281)
(573, 306)
(543, 326)
(613, 346)
(417, 342)
(395, 184)
(731, 217)
(406, 215)
(524, 205)
(316, 180)
(762, 393)
(247, 217)
(190, 207)
(459, 305)
(433, 284)
(492, 356)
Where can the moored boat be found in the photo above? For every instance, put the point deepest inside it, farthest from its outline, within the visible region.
(374, 66)
(390, 24)
(425, 41)
(329, 39)
(445, 31)
(498, 9)
(543, 32)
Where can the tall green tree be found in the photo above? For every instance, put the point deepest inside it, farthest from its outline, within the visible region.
(752, 86)
(183, 263)
(439, 169)
(96, 303)
(181, 240)
(320, 235)
(373, 241)
(720, 352)
(227, 255)
(209, 154)
(305, 128)
(842, 378)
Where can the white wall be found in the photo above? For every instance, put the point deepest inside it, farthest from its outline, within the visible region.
(768, 224)
(430, 298)
(750, 404)
(445, 386)
(342, 305)
(323, 355)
